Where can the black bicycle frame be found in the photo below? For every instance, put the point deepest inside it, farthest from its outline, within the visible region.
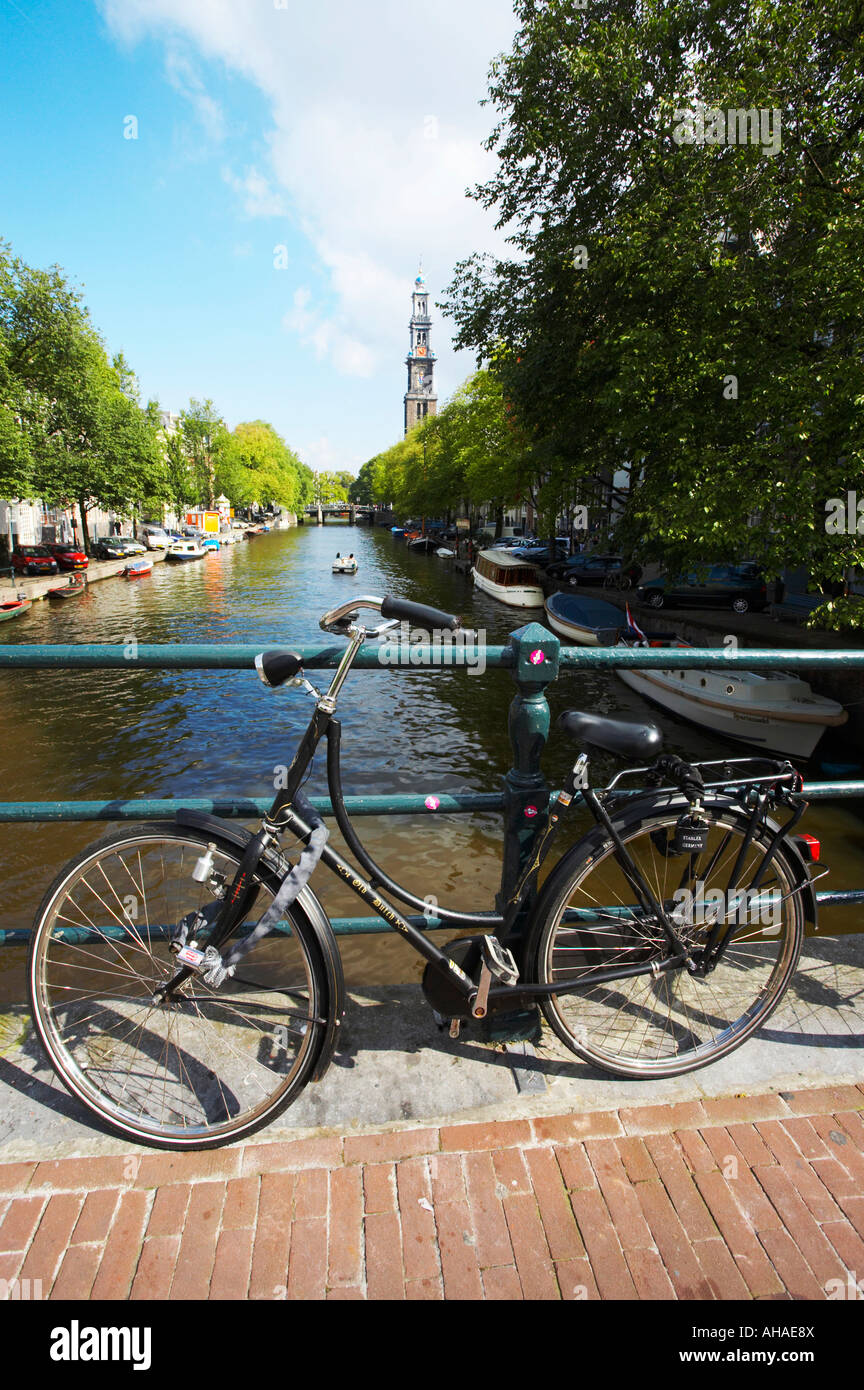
(283, 816)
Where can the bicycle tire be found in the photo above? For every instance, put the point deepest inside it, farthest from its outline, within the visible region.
(266, 1023)
(673, 1022)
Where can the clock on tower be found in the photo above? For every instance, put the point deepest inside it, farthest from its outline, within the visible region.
(420, 398)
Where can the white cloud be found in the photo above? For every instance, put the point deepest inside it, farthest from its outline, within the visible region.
(259, 198)
(376, 133)
(187, 81)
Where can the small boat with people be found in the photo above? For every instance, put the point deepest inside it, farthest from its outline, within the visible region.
(345, 564)
(183, 551)
(773, 710)
(589, 622)
(14, 608)
(137, 569)
(508, 578)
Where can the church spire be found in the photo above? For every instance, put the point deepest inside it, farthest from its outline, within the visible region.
(420, 398)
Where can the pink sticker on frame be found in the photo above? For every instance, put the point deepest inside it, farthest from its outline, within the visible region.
(537, 658)
(432, 803)
(530, 811)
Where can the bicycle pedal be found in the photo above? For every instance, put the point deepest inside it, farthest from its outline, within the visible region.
(498, 960)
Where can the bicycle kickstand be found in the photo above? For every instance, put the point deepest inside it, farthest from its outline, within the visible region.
(497, 963)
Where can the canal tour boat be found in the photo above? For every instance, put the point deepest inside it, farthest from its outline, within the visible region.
(508, 579)
(589, 622)
(182, 551)
(772, 710)
(14, 608)
(345, 564)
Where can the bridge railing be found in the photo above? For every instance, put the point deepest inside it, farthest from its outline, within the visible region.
(533, 656)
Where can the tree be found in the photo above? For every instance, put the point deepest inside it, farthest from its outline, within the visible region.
(254, 465)
(688, 309)
(75, 432)
(328, 488)
(202, 428)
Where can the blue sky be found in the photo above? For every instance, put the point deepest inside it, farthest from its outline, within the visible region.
(344, 132)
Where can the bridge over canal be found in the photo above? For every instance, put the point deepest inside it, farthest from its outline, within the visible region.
(354, 513)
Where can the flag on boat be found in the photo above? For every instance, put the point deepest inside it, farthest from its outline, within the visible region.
(633, 625)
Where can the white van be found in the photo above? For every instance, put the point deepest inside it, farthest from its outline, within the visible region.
(154, 537)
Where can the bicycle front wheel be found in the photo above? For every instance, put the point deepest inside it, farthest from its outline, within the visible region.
(211, 1065)
(666, 1023)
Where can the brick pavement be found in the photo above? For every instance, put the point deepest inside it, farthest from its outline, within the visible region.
(757, 1197)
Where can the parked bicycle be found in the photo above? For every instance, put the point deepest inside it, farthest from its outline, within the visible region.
(187, 985)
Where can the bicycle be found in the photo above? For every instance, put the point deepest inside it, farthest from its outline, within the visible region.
(187, 985)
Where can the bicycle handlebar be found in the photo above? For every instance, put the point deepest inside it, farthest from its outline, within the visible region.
(393, 609)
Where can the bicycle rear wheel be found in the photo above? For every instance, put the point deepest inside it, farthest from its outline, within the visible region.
(673, 1022)
(213, 1064)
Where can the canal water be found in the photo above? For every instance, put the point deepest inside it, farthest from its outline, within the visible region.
(120, 734)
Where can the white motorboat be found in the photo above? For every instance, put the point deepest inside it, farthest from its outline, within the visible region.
(507, 578)
(772, 709)
(345, 564)
(186, 550)
(444, 554)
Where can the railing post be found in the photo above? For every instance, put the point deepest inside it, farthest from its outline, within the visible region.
(526, 793)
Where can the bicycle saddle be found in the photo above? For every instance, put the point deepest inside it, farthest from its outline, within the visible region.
(619, 736)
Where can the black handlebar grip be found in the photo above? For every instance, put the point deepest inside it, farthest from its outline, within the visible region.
(275, 668)
(418, 614)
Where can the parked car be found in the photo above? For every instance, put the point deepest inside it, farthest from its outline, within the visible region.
(68, 556)
(736, 586)
(540, 554)
(610, 570)
(154, 537)
(33, 559)
(117, 548)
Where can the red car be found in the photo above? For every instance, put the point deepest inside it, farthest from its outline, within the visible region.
(68, 555)
(33, 559)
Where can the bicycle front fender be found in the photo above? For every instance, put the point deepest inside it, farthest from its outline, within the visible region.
(312, 917)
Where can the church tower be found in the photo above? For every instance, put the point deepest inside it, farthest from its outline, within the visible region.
(420, 398)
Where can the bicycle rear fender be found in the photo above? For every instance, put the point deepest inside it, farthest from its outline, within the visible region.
(313, 916)
(638, 808)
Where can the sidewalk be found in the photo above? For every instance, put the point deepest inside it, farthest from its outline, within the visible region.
(759, 1197)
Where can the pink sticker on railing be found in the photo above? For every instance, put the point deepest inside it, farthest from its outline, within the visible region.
(537, 658)
(432, 803)
(530, 811)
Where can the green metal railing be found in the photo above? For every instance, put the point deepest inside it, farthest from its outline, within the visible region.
(534, 657)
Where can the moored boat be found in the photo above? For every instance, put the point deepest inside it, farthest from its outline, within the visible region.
(423, 545)
(14, 608)
(589, 622)
(137, 569)
(772, 710)
(444, 554)
(185, 550)
(508, 579)
(73, 589)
